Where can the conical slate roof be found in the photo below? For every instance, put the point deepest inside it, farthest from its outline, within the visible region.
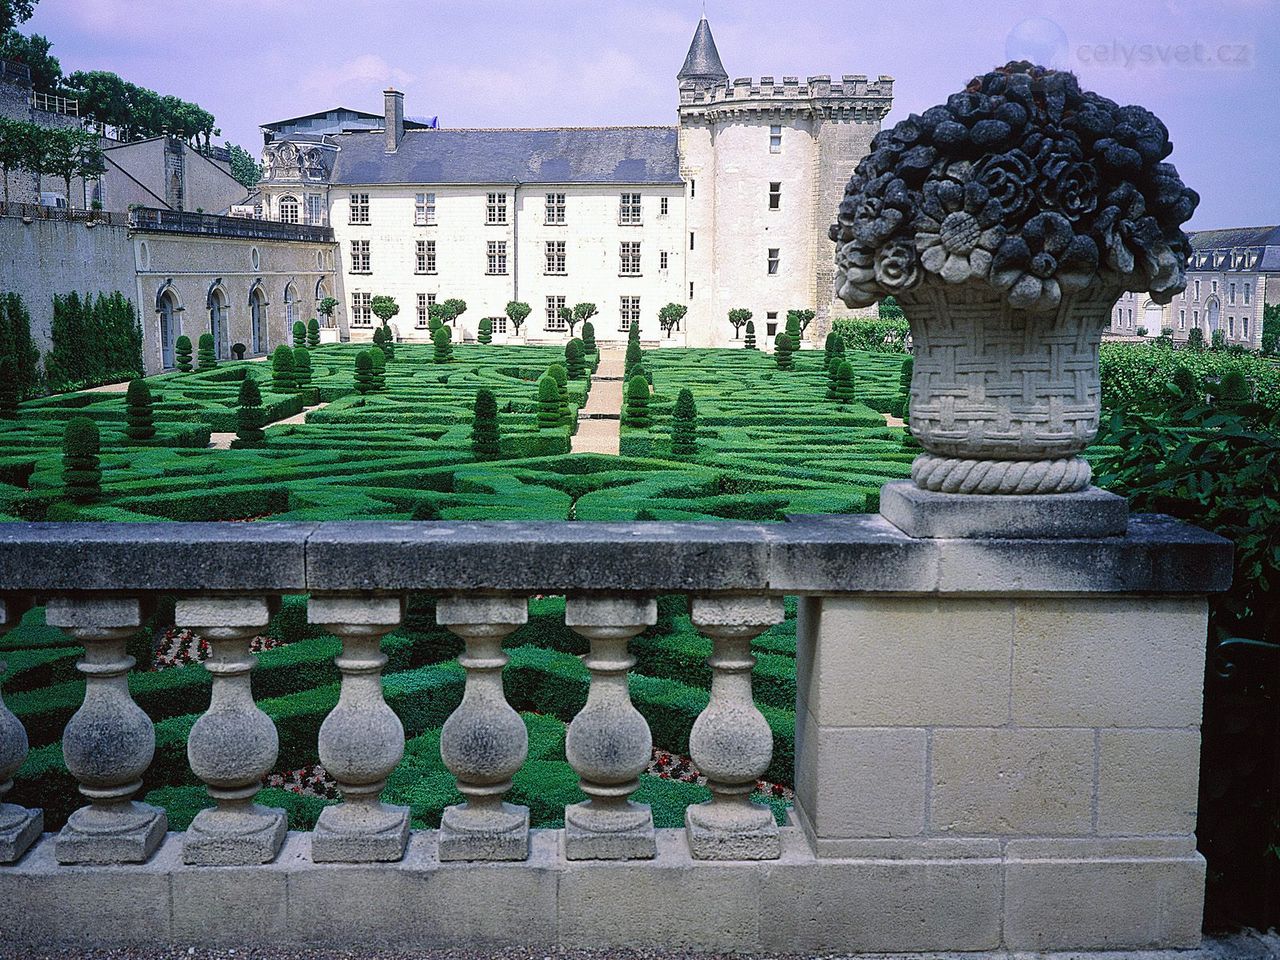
(703, 62)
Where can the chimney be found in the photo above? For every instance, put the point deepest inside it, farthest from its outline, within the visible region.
(393, 111)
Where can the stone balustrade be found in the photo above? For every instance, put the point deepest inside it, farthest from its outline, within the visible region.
(996, 740)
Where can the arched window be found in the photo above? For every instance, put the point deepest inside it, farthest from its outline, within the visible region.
(290, 306)
(289, 210)
(168, 310)
(321, 292)
(257, 320)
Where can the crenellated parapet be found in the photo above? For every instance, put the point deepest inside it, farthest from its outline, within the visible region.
(854, 98)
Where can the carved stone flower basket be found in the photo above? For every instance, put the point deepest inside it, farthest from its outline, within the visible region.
(1006, 223)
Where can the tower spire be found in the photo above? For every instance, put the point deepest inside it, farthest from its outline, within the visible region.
(702, 64)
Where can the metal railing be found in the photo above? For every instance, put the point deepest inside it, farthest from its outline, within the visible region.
(154, 220)
(52, 103)
(40, 211)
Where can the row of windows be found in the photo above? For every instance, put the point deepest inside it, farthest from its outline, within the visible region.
(1124, 318)
(1247, 291)
(496, 208)
(496, 258)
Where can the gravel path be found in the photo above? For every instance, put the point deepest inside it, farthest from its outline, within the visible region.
(596, 435)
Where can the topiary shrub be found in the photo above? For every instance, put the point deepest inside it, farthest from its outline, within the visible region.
(792, 328)
(206, 354)
(385, 341)
(828, 350)
(637, 406)
(750, 340)
(684, 425)
(364, 373)
(589, 337)
(182, 354)
(1185, 385)
(283, 378)
(1218, 341)
(426, 510)
(1195, 339)
(1234, 388)
(484, 333)
(379, 361)
(633, 333)
(313, 333)
(842, 389)
(484, 427)
(299, 333)
(81, 476)
(549, 412)
(139, 413)
(250, 416)
(302, 367)
(442, 340)
(633, 357)
(561, 375)
(8, 389)
(782, 352)
(575, 357)
(238, 350)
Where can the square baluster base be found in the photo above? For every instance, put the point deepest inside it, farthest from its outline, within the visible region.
(19, 828)
(334, 841)
(88, 839)
(461, 839)
(638, 843)
(707, 842)
(235, 838)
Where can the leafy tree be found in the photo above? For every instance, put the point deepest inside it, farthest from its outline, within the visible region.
(1218, 341)
(575, 359)
(33, 51)
(739, 317)
(16, 138)
(1270, 343)
(71, 152)
(384, 307)
(182, 353)
(842, 389)
(325, 308)
(302, 367)
(637, 407)
(379, 361)
(250, 415)
(589, 338)
(206, 355)
(299, 333)
(313, 333)
(484, 429)
(8, 388)
(581, 313)
(669, 317)
(81, 476)
(14, 12)
(750, 341)
(484, 333)
(517, 313)
(549, 415)
(364, 373)
(684, 425)
(1195, 339)
(17, 345)
(889, 310)
(283, 379)
(140, 424)
(244, 167)
(782, 352)
(802, 320)
(442, 339)
(453, 309)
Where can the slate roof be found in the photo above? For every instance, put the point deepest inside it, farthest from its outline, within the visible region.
(703, 60)
(1264, 239)
(624, 155)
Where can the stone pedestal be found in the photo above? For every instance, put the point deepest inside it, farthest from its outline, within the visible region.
(19, 827)
(929, 514)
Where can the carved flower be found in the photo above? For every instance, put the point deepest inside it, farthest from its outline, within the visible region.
(1118, 229)
(1008, 178)
(1069, 186)
(855, 275)
(1046, 260)
(958, 228)
(896, 266)
(1170, 200)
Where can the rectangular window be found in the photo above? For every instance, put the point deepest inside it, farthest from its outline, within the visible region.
(662, 260)
(425, 257)
(554, 320)
(1244, 327)
(555, 257)
(425, 300)
(775, 257)
(690, 289)
(496, 208)
(1231, 293)
(316, 213)
(662, 207)
(629, 259)
(629, 209)
(288, 207)
(1196, 284)
(690, 239)
(1248, 288)
(360, 261)
(359, 208)
(555, 208)
(1231, 326)
(775, 139)
(1213, 286)
(771, 324)
(693, 189)
(1182, 319)
(1195, 318)
(424, 209)
(497, 254)
(499, 323)
(628, 310)
(361, 311)
(775, 196)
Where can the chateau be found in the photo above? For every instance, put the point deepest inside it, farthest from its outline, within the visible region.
(726, 209)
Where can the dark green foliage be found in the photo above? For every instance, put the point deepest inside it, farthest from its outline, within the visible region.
(8, 389)
(828, 350)
(669, 317)
(385, 341)
(299, 333)
(575, 359)
(802, 320)
(384, 308)
(283, 378)
(379, 361)
(302, 367)
(484, 428)
(792, 328)
(1269, 343)
(908, 370)
(238, 351)
(250, 416)
(549, 411)
(443, 341)
(484, 334)
(81, 476)
(1195, 339)
(139, 412)
(885, 335)
(426, 510)
(637, 405)
(182, 353)
(633, 333)
(94, 341)
(313, 333)
(589, 337)
(560, 374)
(17, 345)
(1184, 383)
(1218, 341)
(889, 310)
(782, 352)
(738, 318)
(206, 355)
(1234, 387)
(842, 388)
(364, 373)
(684, 425)
(517, 312)
(633, 357)
(750, 341)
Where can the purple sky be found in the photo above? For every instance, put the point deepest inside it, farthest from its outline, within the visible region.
(1210, 68)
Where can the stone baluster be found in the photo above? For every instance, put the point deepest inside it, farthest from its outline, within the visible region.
(484, 742)
(234, 744)
(362, 739)
(19, 827)
(109, 742)
(608, 743)
(731, 743)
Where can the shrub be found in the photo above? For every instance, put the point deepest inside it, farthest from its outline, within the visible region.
(94, 341)
(1218, 341)
(792, 328)
(8, 389)
(549, 412)
(1185, 385)
(1141, 331)
(206, 355)
(575, 359)
(802, 320)
(750, 341)
(299, 333)
(633, 333)
(442, 340)
(426, 510)
(238, 350)
(1234, 387)
(782, 352)
(842, 389)
(385, 341)
(484, 428)
(379, 361)
(829, 349)
(182, 353)
(561, 377)
(139, 413)
(250, 416)
(302, 367)
(364, 373)
(485, 333)
(1166, 332)
(589, 337)
(634, 354)
(17, 345)
(888, 309)
(283, 378)
(1195, 339)
(81, 476)
(684, 425)
(637, 407)
(313, 333)
(885, 335)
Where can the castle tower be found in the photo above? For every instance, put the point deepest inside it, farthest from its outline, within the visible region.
(765, 164)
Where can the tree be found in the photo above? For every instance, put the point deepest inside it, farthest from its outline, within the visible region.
(484, 428)
(842, 388)
(684, 425)
(238, 351)
(669, 317)
(206, 355)
(633, 357)
(802, 320)
(442, 339)
(739, 317)
(575, 359)
(384, 340)
(364, 373)
(14, 12)
(244, 167)
(750, 341)
(517, 313)
(633, 333)
(15, 141)
(71, 152)
(549, 415)
(782, 350)
(484, 334)
(453, 309)
(313, 333)
(637, 407)
(582, 312)
(140, 424)
(302, 367)
(589, 337)
(299, 333)
(1270, 342)
(889, 309)
(384, 308)
(1195, 340)
(283, 379)
(182, 353)
(250, 416)
(1218, 341)
(325, 308)
(81, 476)
(33, 52)
(17, 345)
(8, 388)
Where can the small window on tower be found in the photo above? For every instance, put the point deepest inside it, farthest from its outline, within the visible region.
(775, 138)
(775, 196)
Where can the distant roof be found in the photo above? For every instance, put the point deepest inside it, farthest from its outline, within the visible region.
(542, 155)
(358, 114)
(703, 60)
(1235, 237)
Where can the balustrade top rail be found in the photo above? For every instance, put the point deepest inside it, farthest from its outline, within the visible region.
(811, 555)
(40, 211)
(154, 220)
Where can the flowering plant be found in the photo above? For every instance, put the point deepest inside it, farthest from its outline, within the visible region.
(1022, 181)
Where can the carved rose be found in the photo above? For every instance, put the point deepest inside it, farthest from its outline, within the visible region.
(896, 267)
(1046, 260)
(1008, 178)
